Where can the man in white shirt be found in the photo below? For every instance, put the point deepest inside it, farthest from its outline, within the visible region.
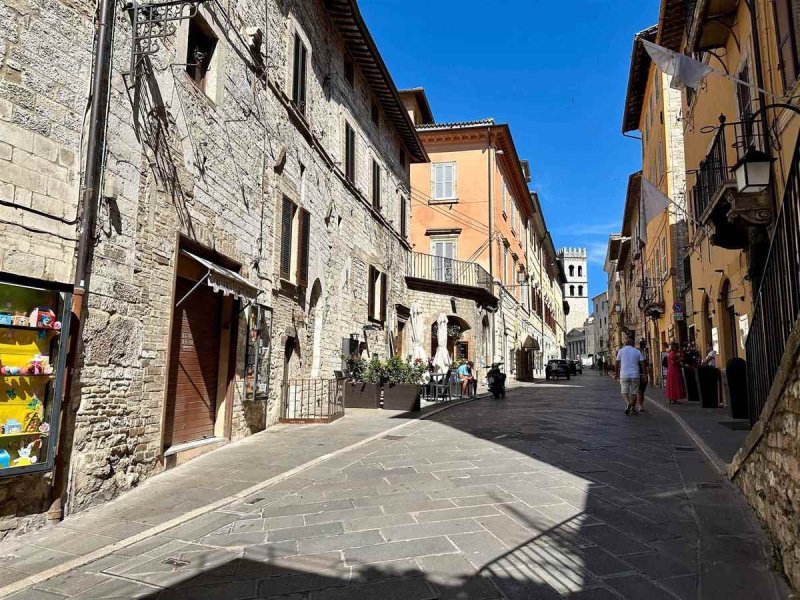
(629, 372)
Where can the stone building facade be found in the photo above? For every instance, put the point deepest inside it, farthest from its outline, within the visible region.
(576, 286)
(294, 198)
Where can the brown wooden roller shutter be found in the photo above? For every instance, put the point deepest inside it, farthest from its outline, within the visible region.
(302, 249)
(194, 363)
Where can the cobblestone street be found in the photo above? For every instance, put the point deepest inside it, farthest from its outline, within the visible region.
(551, 493)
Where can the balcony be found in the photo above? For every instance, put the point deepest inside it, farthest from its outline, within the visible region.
(709, 23)
(716, 203)
(460, 278)
(652, 298)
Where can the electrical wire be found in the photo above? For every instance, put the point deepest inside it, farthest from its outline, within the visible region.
(453, 215)
(37, 230)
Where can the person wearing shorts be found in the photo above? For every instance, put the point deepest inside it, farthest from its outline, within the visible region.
(629, 373)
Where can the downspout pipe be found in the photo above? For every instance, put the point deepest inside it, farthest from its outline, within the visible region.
(491, 230)
(90, 192)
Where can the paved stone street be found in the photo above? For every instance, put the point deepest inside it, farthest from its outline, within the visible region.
(550, 493)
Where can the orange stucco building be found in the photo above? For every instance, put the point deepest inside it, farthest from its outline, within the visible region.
(471, 203)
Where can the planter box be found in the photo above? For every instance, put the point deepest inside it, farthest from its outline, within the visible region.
(361, 395)
(403, 396)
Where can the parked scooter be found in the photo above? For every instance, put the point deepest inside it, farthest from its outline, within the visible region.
(496, 381)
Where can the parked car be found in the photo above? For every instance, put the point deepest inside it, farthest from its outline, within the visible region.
(557, 368)
(578, 365)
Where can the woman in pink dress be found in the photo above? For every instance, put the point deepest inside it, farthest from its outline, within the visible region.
(675, 388)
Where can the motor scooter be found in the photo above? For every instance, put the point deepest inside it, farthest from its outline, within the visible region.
(496, 381)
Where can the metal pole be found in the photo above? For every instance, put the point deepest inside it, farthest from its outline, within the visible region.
(92, 178)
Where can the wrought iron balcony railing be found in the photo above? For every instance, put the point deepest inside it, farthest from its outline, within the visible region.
(449, 270)
(731, 142)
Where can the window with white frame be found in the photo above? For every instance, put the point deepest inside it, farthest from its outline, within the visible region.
(443, 181)
(504, 197)
(513, 219)
(444, 251)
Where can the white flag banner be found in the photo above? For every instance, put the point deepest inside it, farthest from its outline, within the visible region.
(686, 72)
(652, 203)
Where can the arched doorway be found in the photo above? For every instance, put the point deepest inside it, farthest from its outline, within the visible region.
(460, 345)
(708, 324)
(316, 318)
(526, 359)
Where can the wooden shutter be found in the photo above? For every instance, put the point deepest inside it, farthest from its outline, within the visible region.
(383, 297)
(371, 294)
(376, 185)
(287, 215)
(403, 218)
(788, 48)
(349, 153)
(302, 248)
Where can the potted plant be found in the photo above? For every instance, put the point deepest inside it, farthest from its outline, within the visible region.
(363, 385)
(401, 389)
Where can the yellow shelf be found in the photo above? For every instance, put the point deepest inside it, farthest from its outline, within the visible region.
(20, 434)
(28, 376)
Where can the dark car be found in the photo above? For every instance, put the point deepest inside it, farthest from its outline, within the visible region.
(556, 368)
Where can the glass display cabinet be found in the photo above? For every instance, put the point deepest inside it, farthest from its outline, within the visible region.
(34, 329)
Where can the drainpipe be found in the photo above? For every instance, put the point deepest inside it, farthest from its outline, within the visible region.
(491, 230)
(92, 178)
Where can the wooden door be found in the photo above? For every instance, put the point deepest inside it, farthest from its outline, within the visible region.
(194, 364)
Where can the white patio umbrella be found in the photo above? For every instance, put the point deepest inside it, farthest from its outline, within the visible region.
(442, 358)
(416, 333)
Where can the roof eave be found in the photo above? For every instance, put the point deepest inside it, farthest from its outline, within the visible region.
(348, 19)
(637, 80)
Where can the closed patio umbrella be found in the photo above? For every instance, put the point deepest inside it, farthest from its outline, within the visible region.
(416, 333)
(442, 358)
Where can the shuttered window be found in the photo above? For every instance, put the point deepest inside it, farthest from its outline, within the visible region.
(443, 186)
(376, 296)
(376, 185)
(287, 220)
(295, 238)
(299, 74)
(304, 236)
(403, 217)
(787, 22)
(349, 153)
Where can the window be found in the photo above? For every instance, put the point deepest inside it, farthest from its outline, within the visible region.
(349, 70)
(375, 112)
(572, 290)
(299, 74)
(513, 219)
(580, 290)
(295, 236)
(505, 264)
(664, 255)
(443, 186)
(504, 196)
(444, 251)
(580, 271)
(571, 271)
(349, 153)
(376, 300)
(744, 99)
(787, 23)
(659, 161)
(199, 51)
(403, 217)
(376, 185)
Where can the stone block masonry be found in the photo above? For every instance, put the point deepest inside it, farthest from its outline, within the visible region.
(182, 164)
(767, 467)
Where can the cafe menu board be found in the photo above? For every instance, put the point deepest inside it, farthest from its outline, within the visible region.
(34, 322)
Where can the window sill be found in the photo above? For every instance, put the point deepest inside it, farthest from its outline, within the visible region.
(376, 322)
(443, 201)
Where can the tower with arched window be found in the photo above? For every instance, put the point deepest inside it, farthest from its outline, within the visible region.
(576, 288)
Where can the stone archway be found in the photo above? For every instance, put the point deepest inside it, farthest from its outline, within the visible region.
(460, 343)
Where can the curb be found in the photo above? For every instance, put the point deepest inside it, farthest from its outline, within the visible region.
(720, 465)
(81, 561)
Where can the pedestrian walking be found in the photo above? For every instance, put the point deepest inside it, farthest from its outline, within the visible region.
(628, 373)
(646, 376)
(675, 388)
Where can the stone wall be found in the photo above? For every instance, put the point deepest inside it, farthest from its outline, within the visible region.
(767, 467)
(184, 164)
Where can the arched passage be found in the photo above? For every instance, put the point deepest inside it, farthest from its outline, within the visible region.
(459, 338)
(316, 318)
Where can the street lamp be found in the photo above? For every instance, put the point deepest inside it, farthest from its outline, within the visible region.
(753, 172)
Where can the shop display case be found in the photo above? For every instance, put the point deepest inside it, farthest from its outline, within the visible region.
(34, 329)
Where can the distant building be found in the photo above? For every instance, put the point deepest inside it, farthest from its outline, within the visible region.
(600, 325)
(576, 288)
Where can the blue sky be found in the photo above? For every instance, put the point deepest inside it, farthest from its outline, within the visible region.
(555, 71)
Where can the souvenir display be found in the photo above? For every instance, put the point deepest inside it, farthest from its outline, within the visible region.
(32, 346)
